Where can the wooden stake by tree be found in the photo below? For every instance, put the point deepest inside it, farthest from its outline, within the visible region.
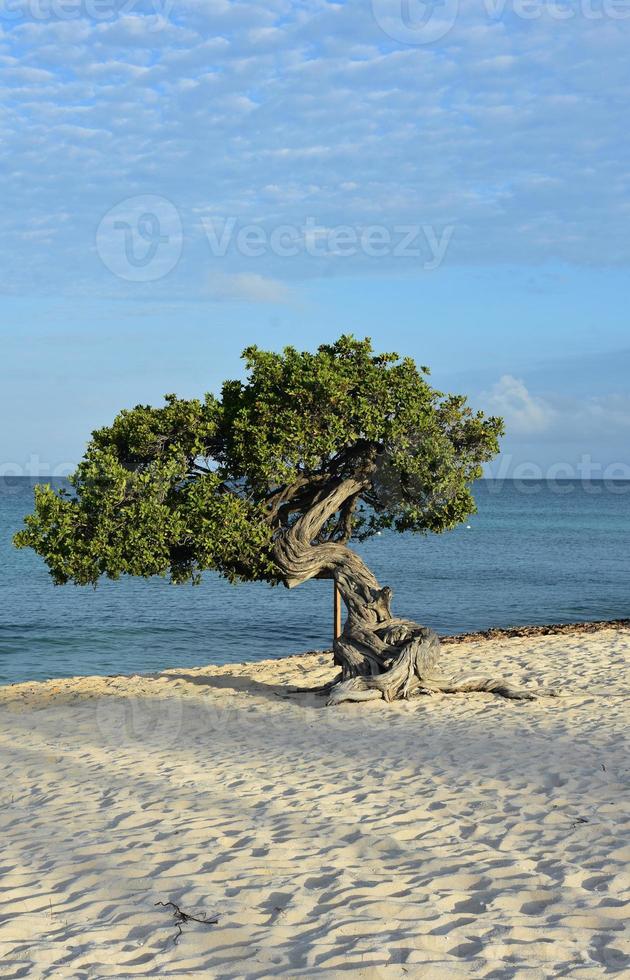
(336, 613)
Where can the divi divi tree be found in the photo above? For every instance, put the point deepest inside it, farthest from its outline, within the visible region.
(272, 481)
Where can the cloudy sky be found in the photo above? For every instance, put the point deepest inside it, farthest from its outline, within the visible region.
(184, 177)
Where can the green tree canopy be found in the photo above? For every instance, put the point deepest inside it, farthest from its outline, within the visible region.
(210, 484)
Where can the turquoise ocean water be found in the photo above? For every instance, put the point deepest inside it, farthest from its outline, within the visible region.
(535, 553)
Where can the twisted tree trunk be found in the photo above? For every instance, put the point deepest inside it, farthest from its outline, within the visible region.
(380, 655)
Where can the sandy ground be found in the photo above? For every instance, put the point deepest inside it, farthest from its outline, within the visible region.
(450, 836)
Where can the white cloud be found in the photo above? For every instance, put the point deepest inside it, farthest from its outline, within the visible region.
(524, 414)
(248, 287)
(600, 417)
(594, 419)
(228, 100)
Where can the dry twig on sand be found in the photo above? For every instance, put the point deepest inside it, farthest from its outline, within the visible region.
(182, 917)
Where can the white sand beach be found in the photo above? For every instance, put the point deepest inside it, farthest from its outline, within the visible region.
(449, 836)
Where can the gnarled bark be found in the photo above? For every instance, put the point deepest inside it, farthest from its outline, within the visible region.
(380, 655)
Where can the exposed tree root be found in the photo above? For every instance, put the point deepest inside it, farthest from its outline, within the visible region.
(322, 689)
(364, 689)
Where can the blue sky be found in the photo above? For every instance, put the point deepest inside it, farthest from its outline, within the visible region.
(184, 178)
